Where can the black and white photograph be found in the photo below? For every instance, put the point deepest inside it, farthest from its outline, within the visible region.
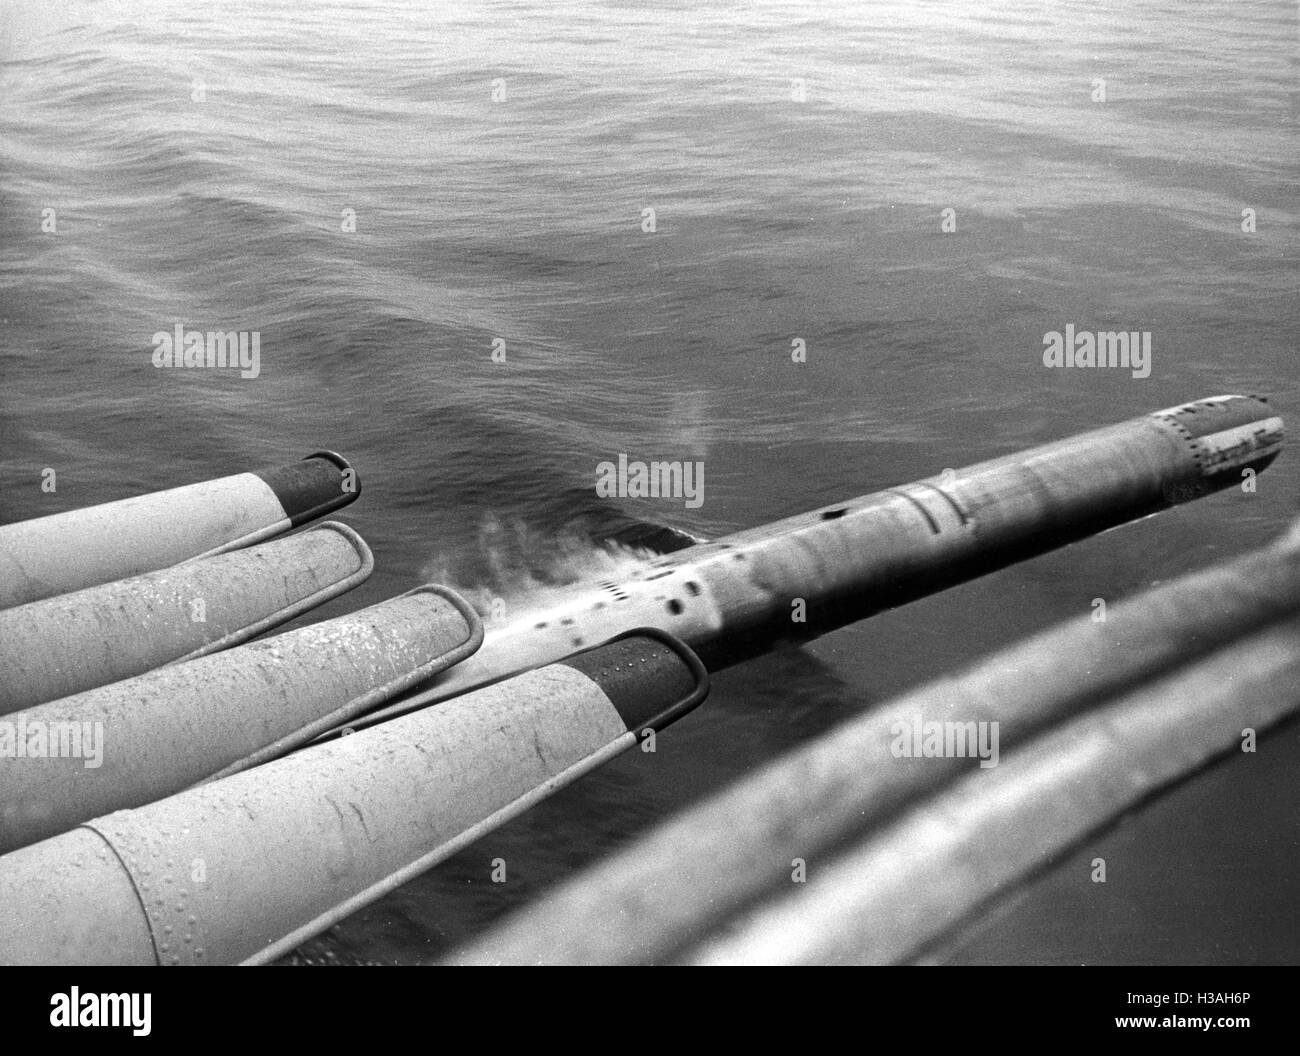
(666, 483)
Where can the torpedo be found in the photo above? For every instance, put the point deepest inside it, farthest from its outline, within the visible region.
(795, 579)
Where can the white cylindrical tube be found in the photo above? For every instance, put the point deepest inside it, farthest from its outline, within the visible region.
(97, 544)
(73, 642)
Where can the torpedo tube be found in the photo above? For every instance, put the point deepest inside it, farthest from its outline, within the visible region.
(143, 738)
(97, 544)
(246, 868)
(73, 642)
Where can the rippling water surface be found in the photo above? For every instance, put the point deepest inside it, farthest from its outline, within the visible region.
(201, 162)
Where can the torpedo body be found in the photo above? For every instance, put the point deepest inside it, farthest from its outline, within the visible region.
(801, 577)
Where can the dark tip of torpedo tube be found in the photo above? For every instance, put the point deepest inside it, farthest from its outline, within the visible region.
(641, 669)
(320, 483)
